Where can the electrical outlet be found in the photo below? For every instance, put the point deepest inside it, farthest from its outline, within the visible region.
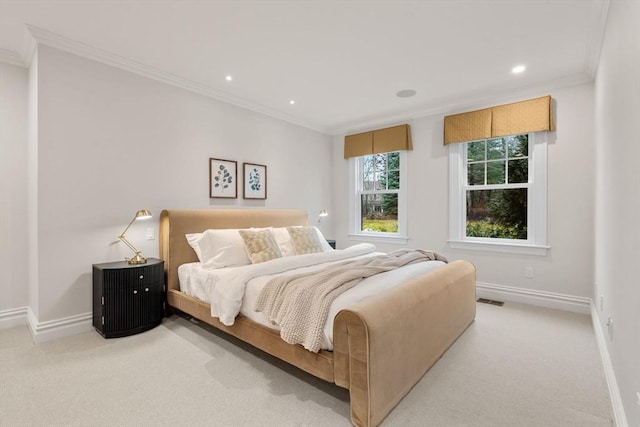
(528, 272)
(151, 233)
(638, 397)
(601, 302)
(609, 326)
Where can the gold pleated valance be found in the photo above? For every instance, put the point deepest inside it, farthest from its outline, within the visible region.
(533, 115)
(385, 140)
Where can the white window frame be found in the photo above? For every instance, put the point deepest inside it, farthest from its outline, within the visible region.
(536, 243)
(355, 218)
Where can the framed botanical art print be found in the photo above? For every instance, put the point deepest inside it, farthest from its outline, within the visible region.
(223, 178)
(255, 181)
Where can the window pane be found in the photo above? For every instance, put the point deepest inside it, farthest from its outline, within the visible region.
(367, 164)
(381, 181)
(371, 206)
(475, 174)
(518, 171)
(394, 180)
(475, 151)
(518, 145)
(495, 172)
(379, 213)
(368, 182)
(495, 149)
(393, 160)
(380, 162)
(499, 214)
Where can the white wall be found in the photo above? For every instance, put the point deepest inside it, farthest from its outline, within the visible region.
(13, 187)
(568, 267)
(111, 142)
(617, 254)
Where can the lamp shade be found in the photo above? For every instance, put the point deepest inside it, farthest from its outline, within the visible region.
(321, 215)
(143, 214)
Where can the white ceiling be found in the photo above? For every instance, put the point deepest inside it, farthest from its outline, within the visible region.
(341, 61)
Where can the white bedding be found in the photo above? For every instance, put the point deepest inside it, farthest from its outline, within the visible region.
(235, 290)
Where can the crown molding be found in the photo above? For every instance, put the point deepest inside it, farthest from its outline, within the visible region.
(37, 35)
(22, 58)
(29, 47)
(56, 41)
(466, 102)
(10, 57)
(595, 37)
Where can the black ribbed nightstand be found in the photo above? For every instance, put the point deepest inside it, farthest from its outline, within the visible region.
(127, 299)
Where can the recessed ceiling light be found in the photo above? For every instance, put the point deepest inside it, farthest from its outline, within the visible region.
(518, 69)
(229, 78)
(292, 102)
(406, 93)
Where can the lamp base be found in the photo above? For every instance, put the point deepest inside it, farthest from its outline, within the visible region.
(138, 259)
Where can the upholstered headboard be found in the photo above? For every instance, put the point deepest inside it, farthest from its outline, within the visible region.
(174, 224)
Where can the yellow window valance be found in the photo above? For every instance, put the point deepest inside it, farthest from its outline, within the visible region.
(357, 145)
(533, 115)
(394, 138)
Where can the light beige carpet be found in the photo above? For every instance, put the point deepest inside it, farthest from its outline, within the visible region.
(516, 365)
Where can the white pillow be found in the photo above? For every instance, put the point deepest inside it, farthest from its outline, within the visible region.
(283, 238)
(219, 248)
(323, 241)
(193, 239)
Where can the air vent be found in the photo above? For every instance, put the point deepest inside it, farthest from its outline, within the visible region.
(490, 301)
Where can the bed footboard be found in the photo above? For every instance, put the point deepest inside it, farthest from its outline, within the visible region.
(385, 344)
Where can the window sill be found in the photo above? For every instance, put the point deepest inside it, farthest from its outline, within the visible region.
(376, 238)
(510, 248)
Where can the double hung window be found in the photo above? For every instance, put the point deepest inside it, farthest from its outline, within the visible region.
(498, 194)
(378, 202)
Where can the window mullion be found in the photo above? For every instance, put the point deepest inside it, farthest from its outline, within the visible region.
(496, 186)
(486, 155)
(379, 192)
(506, 162)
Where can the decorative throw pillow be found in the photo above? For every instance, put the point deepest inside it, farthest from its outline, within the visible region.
(283, 239)
(305, 240)
(261, 245)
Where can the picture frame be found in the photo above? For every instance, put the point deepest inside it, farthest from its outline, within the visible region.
(255, 181)
(223, 178)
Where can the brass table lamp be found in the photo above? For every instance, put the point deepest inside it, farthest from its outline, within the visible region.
(137, 259)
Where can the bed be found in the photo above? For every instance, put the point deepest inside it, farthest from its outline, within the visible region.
(382, 346)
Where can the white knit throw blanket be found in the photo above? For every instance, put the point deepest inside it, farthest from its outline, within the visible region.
(299, 304)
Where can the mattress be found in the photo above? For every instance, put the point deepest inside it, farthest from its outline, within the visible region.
(211, 285)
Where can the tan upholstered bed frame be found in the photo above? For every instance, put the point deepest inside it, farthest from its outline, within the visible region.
(382, 346)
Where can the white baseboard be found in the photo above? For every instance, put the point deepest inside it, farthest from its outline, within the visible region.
(13, 317)
(620, 417)
(58, 328)
(533, 297)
